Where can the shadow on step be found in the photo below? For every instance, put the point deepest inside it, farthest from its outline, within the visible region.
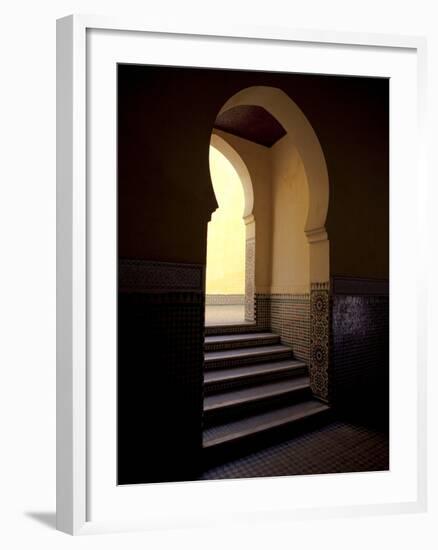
(231, 450)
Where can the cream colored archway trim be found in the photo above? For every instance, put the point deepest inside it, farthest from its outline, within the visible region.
(242, 171)
(287, 112)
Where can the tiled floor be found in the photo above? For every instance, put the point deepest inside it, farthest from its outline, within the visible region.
(337, 447)
(224, 315)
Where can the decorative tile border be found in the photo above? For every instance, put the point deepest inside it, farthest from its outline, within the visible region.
(249, 280)
(151, 276)
(319, 339)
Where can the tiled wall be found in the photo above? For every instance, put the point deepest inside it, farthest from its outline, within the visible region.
(360, 349)
(302, 321)
(289, 316)
(160, 371)
(319, 340)
(290, 319)
(160, 359)
(249, 279)
(341, 331)
(263, 311)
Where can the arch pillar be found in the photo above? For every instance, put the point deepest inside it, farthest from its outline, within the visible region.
(319, 256)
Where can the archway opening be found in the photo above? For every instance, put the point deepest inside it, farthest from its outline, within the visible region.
(270, 139)
(225, 271)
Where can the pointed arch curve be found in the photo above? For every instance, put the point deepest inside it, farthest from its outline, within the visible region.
(240, 167)
(287, 112)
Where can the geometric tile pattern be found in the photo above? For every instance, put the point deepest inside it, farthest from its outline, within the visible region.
(319, 340)
(249, 279)
(338, 447)
(289, 316)
(144, 276)
(263, 311)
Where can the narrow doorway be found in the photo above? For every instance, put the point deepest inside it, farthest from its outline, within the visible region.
(225, 272)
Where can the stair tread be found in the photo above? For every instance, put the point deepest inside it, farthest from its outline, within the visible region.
(231, 325)
(261, 422)
(239, 396)
(231, 338)
(245, 352)
(234, 373)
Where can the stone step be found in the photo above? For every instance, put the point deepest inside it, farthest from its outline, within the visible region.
(232, 328)
(245, 356)
(233, 404)
(234, 341)
(217, 380)
(263, 426)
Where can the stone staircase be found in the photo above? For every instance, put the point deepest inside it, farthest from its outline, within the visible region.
(255, 392)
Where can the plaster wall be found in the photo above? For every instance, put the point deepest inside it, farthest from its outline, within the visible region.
(225, 272)
(290, 204)
(281, 201)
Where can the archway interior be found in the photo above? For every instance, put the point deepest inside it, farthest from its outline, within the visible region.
(225, 272)
(288, 172)
(277, 157)
(274, 147)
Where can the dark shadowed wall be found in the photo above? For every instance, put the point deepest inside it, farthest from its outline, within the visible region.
(360, 350)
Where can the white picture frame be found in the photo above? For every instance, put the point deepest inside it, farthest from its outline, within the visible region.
(74, 283)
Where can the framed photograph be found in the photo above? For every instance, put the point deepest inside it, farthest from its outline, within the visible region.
(230, 207)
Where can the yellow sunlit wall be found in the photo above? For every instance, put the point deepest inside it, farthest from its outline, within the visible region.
(226, 230)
